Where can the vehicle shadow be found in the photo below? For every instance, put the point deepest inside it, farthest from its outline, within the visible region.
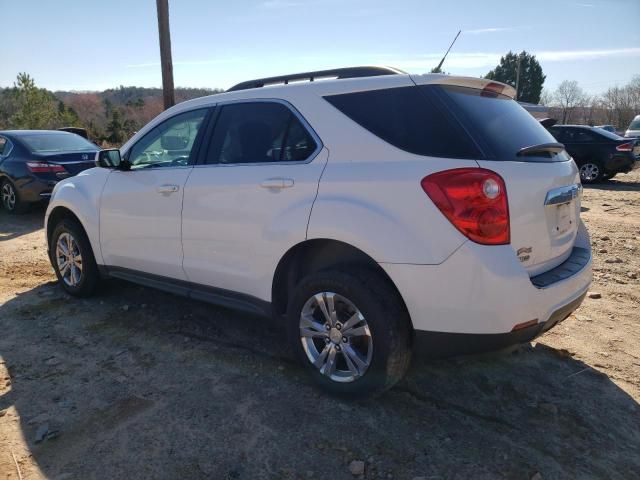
(13, 226)
(616, 185)
(135, 383)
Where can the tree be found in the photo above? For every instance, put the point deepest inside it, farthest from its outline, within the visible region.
(115, 130)
(568, 96)
(531, 78)
(31, 107)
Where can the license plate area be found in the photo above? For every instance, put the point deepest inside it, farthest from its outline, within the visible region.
(564, 218)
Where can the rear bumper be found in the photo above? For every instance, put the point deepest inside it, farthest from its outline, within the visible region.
(621, 163)
(444, 344)
(35, 190)
(485, 291)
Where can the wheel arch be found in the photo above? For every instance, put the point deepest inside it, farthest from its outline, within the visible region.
(315, 255)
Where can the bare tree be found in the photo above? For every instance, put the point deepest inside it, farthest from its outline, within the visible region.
(546, 97)
(568, 96)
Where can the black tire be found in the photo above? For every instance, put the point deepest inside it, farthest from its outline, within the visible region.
(385, 315)
(89, 277)
(591, 171)
(10, 198)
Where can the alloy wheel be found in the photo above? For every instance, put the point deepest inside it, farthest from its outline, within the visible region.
(69, 259)
(589, 172)
(336, 337)
(8, 196)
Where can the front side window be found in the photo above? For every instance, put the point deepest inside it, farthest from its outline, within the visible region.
(170, 144)
(3, 143)
(259, 132)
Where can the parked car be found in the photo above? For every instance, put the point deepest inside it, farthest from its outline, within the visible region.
(634, 128)
(373, 213)
(599, 154)
(32, 162)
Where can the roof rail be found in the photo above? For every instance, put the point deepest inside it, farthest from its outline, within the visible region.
(350, 72)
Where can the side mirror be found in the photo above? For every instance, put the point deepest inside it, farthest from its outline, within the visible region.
(109, 158)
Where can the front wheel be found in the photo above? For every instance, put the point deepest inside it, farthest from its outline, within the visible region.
(351, 331)
(591, 172)
(72, 259)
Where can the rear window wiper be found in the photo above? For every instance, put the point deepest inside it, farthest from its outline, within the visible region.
(549, 148)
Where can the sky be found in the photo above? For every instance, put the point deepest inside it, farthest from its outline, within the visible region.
(98, 44)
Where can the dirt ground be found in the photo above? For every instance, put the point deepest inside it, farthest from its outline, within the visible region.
(137, 384)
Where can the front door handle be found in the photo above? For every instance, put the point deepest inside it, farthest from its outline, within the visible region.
(277, 182)
(167, 189)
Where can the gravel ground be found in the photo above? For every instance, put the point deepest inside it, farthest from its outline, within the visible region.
(135, 383)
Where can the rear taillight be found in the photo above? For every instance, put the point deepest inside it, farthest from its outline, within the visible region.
(475, 202)
(43, 167)
(625, 147)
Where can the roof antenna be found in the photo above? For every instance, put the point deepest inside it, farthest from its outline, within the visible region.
(438, 69)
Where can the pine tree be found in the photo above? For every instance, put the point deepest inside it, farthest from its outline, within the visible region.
(531, 76)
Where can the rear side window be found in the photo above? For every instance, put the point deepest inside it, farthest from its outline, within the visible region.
(259, 132)
(498, 122)
(408, 119)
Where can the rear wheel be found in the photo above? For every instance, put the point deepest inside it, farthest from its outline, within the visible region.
(11, 199)
(351, 331)
(72, 259)
(591, 172)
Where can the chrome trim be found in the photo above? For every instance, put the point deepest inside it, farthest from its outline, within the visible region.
(295, 111)
(75, 162)
(45, 195)
(561, 195)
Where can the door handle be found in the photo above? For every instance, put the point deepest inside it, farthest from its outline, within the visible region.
(168, 188)
(277, 182)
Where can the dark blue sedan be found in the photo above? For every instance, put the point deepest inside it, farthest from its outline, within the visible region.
(33, 161)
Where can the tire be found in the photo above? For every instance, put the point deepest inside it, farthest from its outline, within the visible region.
(10, 198)
(380, 336)
(591, 171)
(70, 233)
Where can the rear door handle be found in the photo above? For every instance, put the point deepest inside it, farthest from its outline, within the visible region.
(168, 189)
(277, 182)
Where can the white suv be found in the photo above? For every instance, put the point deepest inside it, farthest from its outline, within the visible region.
(374, 212)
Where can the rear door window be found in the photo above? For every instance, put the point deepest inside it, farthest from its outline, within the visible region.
(259, 132)
(409, 120)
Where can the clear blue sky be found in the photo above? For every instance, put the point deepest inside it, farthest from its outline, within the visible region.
(98, 44)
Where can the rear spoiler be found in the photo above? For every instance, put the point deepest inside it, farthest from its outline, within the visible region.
(470, 82)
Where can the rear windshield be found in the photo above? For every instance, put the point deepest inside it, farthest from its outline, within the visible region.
(498, 122)
(607, 133)
(446, 121)
(56, 142)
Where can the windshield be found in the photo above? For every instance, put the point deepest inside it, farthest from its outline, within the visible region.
(56, 142)
(635, 125)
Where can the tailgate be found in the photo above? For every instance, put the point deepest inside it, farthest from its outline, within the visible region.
(544, 210)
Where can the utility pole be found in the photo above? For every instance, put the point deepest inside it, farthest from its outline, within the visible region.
(518, 76)
(165, 53)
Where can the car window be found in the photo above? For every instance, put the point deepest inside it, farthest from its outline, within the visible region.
(575, 135)
(56, 142)
(259, 132)
(169, 144)
(3, 142)
(409, 119)
(558, 134)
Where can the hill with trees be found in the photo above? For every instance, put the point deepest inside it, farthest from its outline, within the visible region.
(111, 116)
